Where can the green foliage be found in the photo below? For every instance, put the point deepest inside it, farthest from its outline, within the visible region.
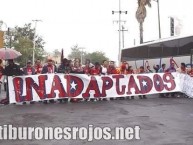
(76, 52)
(57, 53)
(96, 56)
(24, 45)
(141, 15)
(23, 42)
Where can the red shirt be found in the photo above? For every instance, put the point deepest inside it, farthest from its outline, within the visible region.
(86, 70)
(95, 71)
(123, 68)
(50, 69)
(190, 73)
(38, 69)
(112, 71)
(29, 70)
(130, 72)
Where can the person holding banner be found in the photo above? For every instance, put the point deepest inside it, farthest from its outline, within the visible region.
(11, 69)
(148, 70)
(142, 71)
(87, 67)
(38, 67)
(170, 70)
(96, 69)
(77, 68)
(64, 67)
(129, 69)
(156, 68)
(162, 70)
(123, 67)
(29, 70)
(190, 72)
(104, 67)
(48, 69)
(111, 69)
(182, 70)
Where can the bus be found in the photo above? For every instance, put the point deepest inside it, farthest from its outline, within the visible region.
(160, 51)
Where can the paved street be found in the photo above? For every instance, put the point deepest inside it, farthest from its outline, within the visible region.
(163, 121)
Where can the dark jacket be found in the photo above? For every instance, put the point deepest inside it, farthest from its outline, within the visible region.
(12, 70)
(45, 69)
(25, 71)
(64, 69)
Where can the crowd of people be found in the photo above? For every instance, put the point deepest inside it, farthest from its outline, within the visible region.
(75, 66)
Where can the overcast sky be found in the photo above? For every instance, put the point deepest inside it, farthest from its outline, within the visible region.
(89, 23)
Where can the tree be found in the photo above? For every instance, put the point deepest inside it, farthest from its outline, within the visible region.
(23, 42)
(57, 53)
(141, 15)
(76, 53)
(96, 56)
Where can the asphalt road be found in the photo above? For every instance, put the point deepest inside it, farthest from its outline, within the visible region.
(166, 121)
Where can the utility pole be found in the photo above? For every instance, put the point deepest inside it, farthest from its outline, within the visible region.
(34, 42)
(158, 12)
(81, 54)
(9, 36)
(119, 21)
(123, 30)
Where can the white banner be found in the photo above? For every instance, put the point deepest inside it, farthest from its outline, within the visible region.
(59, 86)
(186, 84)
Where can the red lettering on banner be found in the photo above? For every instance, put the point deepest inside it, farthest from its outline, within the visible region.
(57, 85)
(170, 80)
(107, 84)
(93, 85)
(132, 84)
(18, 88)
(158, 82)
(74, 86)
(146, 84)
(117, 78)
(40, 89)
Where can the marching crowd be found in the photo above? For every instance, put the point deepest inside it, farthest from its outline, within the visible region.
(75, 66)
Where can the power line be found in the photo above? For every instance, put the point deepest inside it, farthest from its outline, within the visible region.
(119, 22)
(123, 37)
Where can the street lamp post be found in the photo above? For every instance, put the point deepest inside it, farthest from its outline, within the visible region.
(34, 41)
(158, 11)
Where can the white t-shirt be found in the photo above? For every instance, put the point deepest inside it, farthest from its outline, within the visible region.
(104, 70)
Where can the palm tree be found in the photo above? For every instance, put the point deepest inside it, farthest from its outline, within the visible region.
(141, 15)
